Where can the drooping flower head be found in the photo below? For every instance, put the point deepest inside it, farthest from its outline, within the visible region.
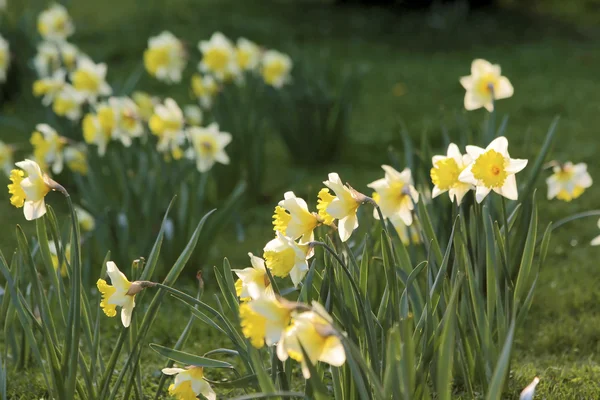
(189, 383)
(167, 124)
(265, 319)
(485, 85)
(49, 87)
(67, 103)
(48, 147)
(165, 57)
(117, 294)
(396, 194)
(313, 331)
(492, 169)
(55, 23)
(283, 256)
(28, 187)
(204, 88)
(253, 282)
(247, 54)
(343, 207)
(568, 181)
(445, 172)
(208, 146)
(276, 68)
(4, 58)
(89, 79)
(218, 57)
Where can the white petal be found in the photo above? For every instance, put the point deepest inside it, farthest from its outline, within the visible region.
(334, 354)
(528, 392)
(208, 392)
(337, 209)
(595, 241)
(503, 89)
(500, 144)
(298, 272)
(126, 312)
(474, 151)
(516, 165)
(454, 152)
(481, 192)
(346, 226)
(472, 101)
(466, 82)
(34, 210)
(509, 189)
(467, 176)
(117, 278)
(436, 192)
(172, 371)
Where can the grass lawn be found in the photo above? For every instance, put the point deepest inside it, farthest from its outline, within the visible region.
(551, 57)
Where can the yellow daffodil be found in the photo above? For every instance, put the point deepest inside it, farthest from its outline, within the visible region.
(205, 88)
(87, 223)
(118, 294)
(396, 194)
(89, 79)
(145, 104)
(4, 58)
(167, 124)
(218, 56)
(445, 172)
(49, 87)
(302, 222)
(253, 282)
(596, 240)
(47, 59)
(343, 207)
(193, 115)
(485, 85)
(165, 57)
(127, 122)
(98, 128)
(324, 199)
(529, 391)
(76, 159)
(69, 54)
(54, 257)
(492, 169)
(568, 181)
(55, 23)
(276, 68)
(29, 185)
(283, 256)
(313, 331)
(67, 103)
(189, 383)
(247, 54)
(6, 157)
(265, 319)
(48, 147)
(208, 146)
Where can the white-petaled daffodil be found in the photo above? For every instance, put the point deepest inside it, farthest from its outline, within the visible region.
(205, 88)
(28, 188)
(120, 293)
(208, 146)
(218, 57)
(492, 169)
(4, 58)
(98, 128)
(67, 103)
(253, 281)
(49, 87)
(301, 223)
(165, 57)
(265, 319)
(396, 194)
(312, 331)
(167, 124)
(48, 147)
(568, 181)
(89, 79)
(247, 54)
(55, 23)
(445, 171)
(283, 256)
(344, 206)
(485, 85)
(127, 121)
(276, 68)
(189, 383)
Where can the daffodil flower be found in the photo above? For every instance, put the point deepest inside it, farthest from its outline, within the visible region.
(302, 222)
(76, 159)
(568, 181)
(49, 87)
(283, 256)
(313, 331)
(445, 172)
(6, 157)
(492, 169)
(205, 88)
(253, 282)
(167, 124)
(247, 54)
(145, 104)
(485, 85)
(47, 59)
(98, 128)
(276, 68)
(265, 319)
(67, 103)
(28, 188)
(4, 58)
(208, 146)
(218, 56)
(89, 79)
(343, 207)
(120, 293)
(529, 391)
(127, 122)
(165, 57)
(396, 194)
(55, 23)
(69, 54)
(596, 240)
(48, 147)
(189, 383)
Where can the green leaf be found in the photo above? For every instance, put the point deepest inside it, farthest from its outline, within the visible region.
(497, 382)
(187, 358)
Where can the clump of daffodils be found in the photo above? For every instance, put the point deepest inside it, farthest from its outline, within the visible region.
(165, 57)
(568, 181)
(485, 85)
(189, 383)
(4, 58)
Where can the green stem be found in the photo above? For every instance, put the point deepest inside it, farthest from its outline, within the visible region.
(585, 214)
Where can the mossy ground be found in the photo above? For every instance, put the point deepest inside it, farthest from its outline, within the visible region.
(550, 54)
